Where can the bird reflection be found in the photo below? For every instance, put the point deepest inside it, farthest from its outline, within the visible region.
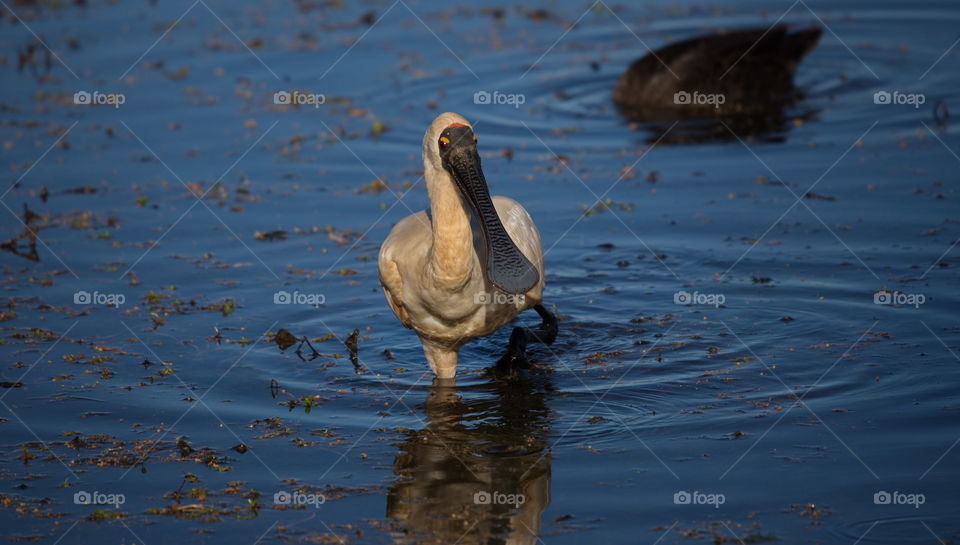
(771, 125)
(479, 471)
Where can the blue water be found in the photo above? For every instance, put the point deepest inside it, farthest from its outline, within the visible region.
(786, 412)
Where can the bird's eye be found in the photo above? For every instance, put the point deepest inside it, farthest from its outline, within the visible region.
(443, 142)
(474, 139)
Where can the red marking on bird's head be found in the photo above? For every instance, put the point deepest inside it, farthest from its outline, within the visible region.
(455, 125)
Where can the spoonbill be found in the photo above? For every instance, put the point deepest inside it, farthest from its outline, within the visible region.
(752, 70)
(470, 264)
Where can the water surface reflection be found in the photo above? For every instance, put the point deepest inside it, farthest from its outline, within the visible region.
(479, 471)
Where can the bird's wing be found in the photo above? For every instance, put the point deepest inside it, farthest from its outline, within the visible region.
(412, 230)
(393, 289)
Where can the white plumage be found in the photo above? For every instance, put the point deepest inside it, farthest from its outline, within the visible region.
(432, 265)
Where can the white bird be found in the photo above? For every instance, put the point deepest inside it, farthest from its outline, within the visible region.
(470, 264)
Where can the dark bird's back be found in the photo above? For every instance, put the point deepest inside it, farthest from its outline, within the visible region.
(751, 69)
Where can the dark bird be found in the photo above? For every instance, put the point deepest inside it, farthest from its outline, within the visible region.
(740, 73)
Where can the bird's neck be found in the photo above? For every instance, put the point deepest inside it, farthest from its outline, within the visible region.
(451, 259)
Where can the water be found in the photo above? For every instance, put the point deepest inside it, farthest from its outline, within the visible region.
(639, 402)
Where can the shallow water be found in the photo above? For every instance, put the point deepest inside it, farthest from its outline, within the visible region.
(794, 402)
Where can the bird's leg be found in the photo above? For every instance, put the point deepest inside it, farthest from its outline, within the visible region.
(516, 355)
(549, 326)
(442, 360)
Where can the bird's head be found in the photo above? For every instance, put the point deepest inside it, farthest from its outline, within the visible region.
(450, 155)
